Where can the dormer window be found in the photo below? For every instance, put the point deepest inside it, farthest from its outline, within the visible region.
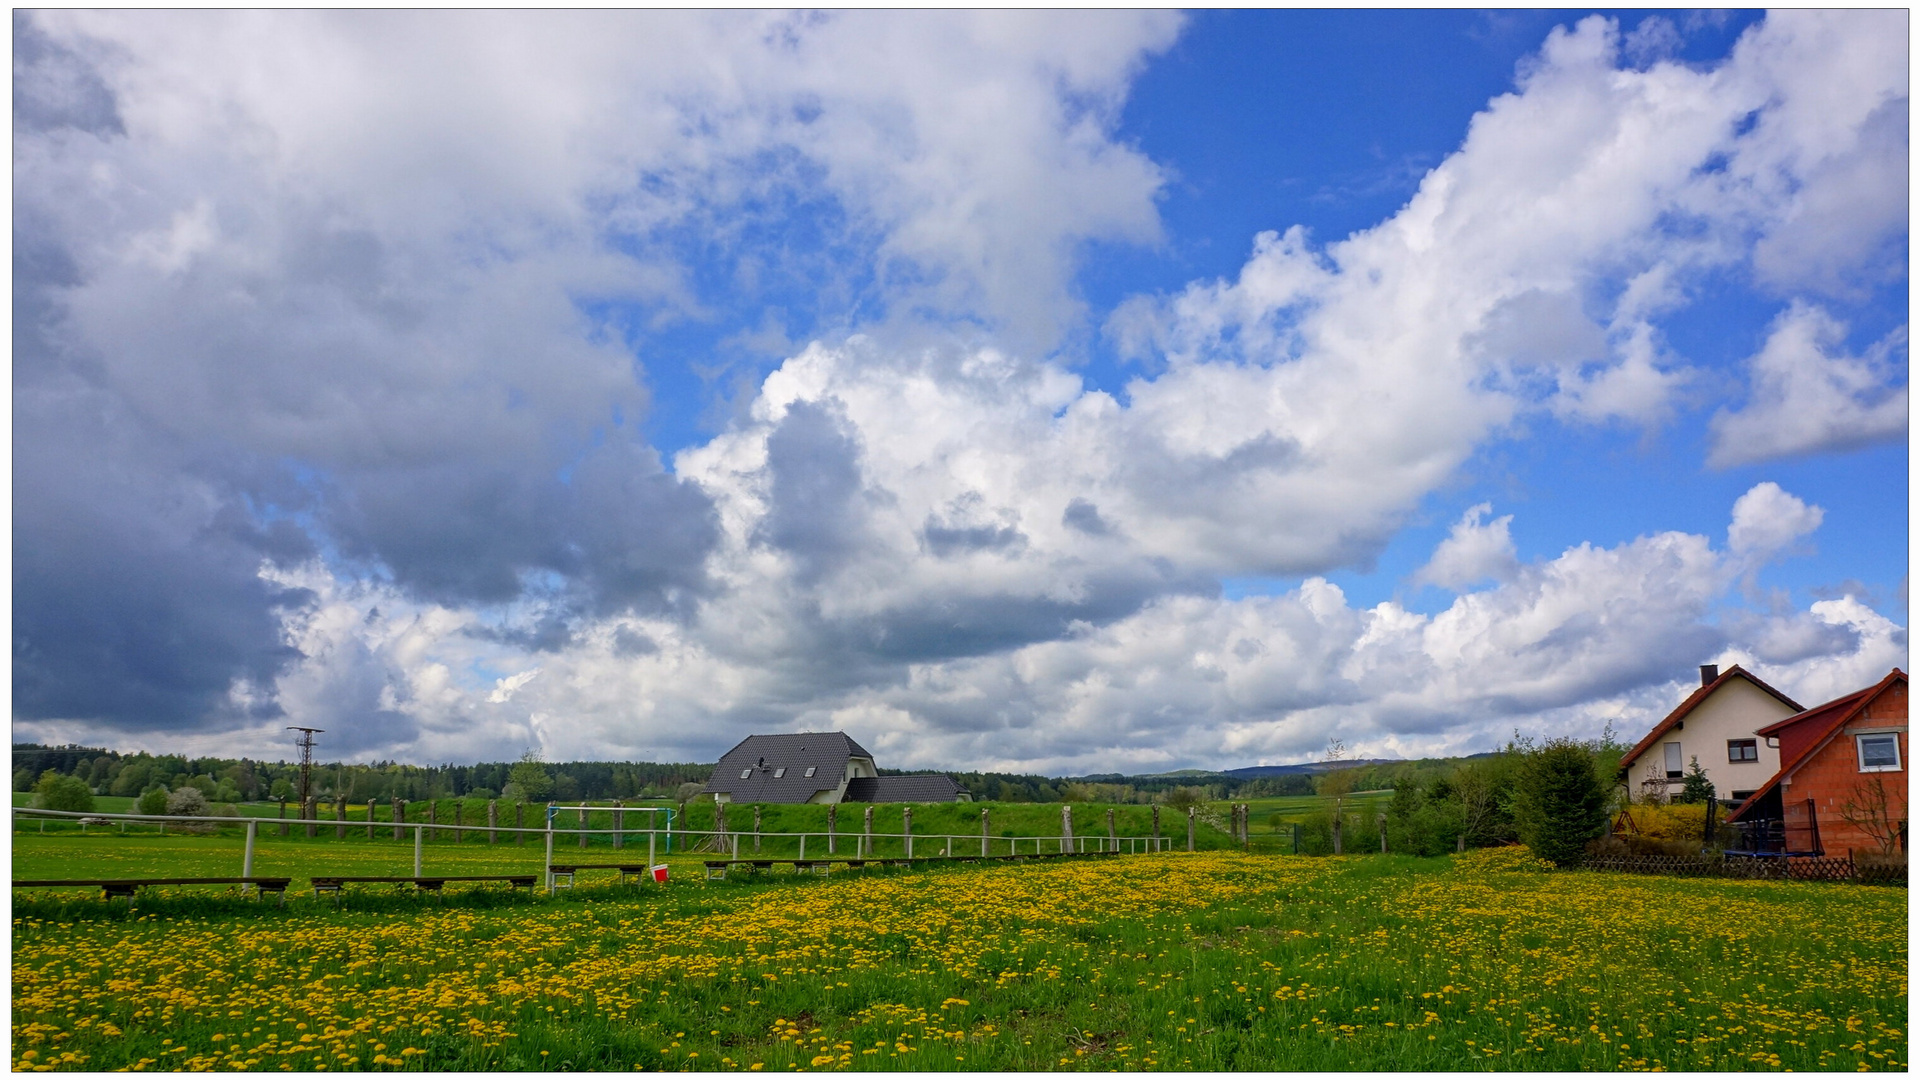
(746, 774)
(810, 770)
(778, 773)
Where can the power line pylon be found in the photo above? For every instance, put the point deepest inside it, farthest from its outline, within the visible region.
(305, 743)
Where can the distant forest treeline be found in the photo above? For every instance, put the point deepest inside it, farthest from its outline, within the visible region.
(109, 772)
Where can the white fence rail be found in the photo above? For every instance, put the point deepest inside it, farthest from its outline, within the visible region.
(720, 841)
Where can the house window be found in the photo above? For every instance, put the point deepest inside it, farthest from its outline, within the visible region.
(810, 769)
(1674, 771)
(1743, 750)
(1878, 753)
(778, 773)
(746, 774)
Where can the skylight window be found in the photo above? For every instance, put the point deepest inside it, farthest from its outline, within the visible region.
(810, 769)
(778, 773)
(746, 774)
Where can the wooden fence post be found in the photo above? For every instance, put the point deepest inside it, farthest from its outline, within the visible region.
(1156, 821)
(984, 819)
(399, 815)
(493, 821)
(1112, 836)
(340, 817)
(867, 841)
(1336, 833)
(520, 822)
(756, 828)
(833, 816)
(1066, 826)
(1383, 836)
(433, 818)
(906, 826)
(619, 819)
(371, 803)
(1189, 828)
(459, 806)
(581, 815)
(1296, 838)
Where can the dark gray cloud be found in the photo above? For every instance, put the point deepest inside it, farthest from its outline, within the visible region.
(54, 88)
(817, 512)
(212, 374)
(1083, 516)
(967, 527)
(936, 627)
(628, 643)
(620, 532)
(136, 598)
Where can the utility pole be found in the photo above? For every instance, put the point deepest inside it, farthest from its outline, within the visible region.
(305, 743)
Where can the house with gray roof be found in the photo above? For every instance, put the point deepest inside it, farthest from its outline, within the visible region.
(817, 767)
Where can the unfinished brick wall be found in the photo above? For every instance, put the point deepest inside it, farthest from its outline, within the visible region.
(1832, 777)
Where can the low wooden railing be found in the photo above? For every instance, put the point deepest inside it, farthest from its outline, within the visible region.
(1770, 867)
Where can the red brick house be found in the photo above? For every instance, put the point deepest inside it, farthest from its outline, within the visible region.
(1842, 784)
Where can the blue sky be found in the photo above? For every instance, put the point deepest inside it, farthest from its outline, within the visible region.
(1073, 391)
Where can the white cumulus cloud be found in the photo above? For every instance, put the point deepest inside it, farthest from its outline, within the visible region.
(1809, 396)
(1474, 551)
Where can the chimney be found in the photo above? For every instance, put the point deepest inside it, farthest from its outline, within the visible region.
(1708, 673)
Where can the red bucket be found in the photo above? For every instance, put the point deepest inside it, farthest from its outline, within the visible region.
(660, 873)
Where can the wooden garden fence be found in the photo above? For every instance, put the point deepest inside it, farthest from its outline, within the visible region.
(1814, 868)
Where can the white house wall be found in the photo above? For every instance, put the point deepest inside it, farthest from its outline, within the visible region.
(1735, 711)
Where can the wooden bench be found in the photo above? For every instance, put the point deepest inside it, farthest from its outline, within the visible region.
(126, 887)
(637, 871)
(333, 883)
(717, 868)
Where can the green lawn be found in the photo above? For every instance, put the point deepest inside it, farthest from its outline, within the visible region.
(1211, 961)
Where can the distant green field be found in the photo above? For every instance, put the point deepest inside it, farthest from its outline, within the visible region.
(779, 824)
(1295, 807)
(106, 854)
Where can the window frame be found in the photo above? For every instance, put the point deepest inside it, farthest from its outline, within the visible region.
(810, 771)
(1860, 741)
(1751, 746)
(1666, 765)
(779, 772)
(746, 773)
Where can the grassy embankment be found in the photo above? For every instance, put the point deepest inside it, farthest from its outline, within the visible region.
(1210, 961)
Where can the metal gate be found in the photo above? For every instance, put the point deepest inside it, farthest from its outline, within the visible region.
(1802, 829)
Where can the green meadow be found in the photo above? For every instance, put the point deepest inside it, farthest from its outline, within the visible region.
(1214, 960)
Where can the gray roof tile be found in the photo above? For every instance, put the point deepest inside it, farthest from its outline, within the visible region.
(759, 757)
(924, 788)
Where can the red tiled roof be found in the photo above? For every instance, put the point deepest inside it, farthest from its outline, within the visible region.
(1693, 701)
(1830, 717)
(1803, 717)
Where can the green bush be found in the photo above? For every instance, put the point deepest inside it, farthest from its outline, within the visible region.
(1559, 802)
(1420, 822)
(152, 801)
(1696, 788)
(56, 791)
